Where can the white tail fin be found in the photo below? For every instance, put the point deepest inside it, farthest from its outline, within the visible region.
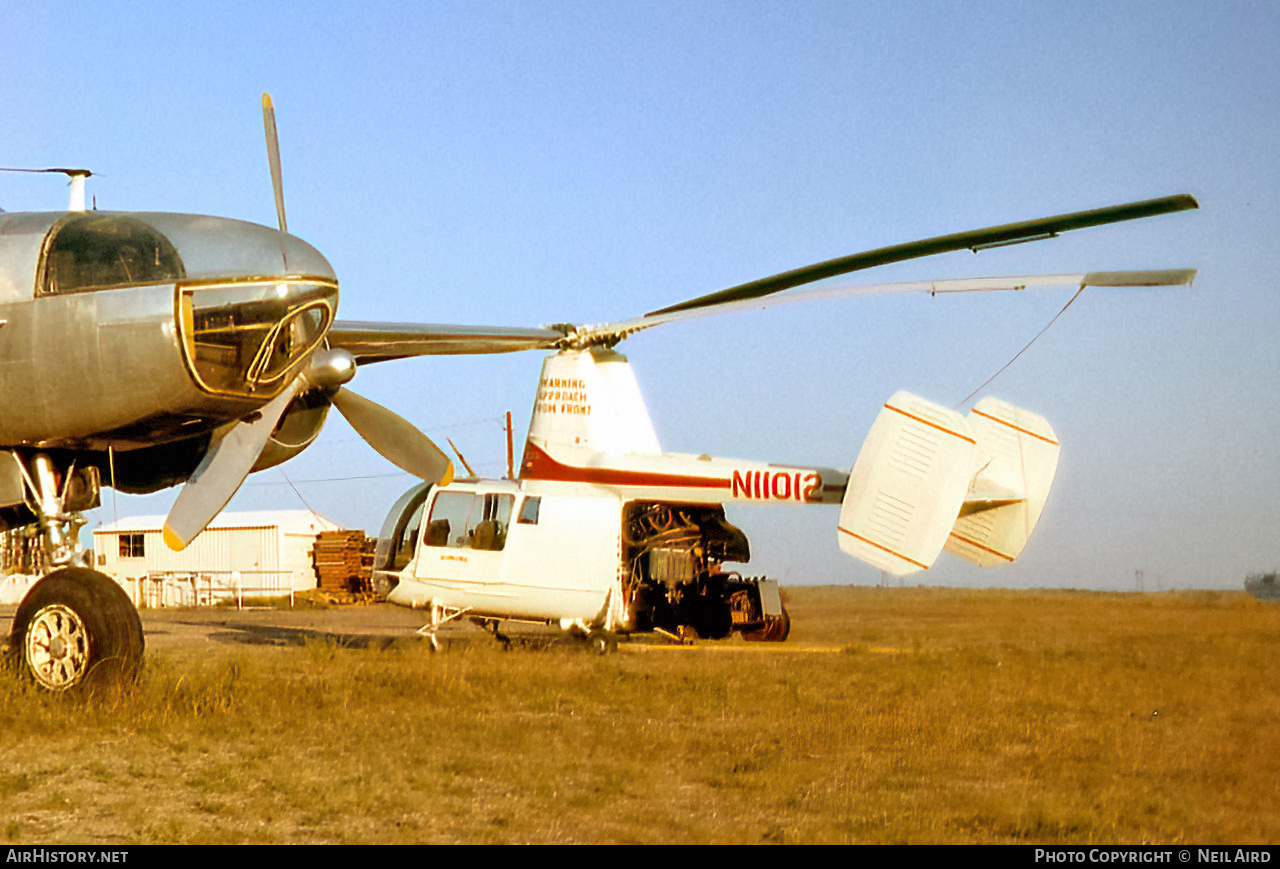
(928, 478)
(1018, 457)
(907, 485)
(589, 398)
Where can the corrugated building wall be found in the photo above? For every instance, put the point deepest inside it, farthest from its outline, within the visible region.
(261, 553)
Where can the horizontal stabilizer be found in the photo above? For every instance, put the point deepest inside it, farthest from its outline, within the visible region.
(1017, 458)
(907, 485)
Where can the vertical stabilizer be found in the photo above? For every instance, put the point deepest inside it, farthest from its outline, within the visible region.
(1017, 459)
(590, 398)
(907, 486)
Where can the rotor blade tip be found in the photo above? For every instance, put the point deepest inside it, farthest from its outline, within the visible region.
(266, 101)
(448, 475)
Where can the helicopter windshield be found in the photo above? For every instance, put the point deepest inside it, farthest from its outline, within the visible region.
(399, 538)
(92, 251)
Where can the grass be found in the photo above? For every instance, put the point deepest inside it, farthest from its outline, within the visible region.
(933, 715)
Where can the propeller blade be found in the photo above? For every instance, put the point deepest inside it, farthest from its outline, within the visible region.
(230, 457)
(394, 438)
(975, 240)
(273, 157)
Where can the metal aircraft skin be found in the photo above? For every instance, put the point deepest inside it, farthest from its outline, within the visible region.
(150, 350)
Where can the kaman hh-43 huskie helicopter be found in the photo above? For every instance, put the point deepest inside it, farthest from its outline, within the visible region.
(602, 532)
(148, 350)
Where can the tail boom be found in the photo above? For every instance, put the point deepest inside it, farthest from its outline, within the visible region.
(679, 476)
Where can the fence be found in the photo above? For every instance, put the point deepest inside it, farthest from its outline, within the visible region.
(207, 587)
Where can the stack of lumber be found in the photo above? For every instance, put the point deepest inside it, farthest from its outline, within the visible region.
(344, 561)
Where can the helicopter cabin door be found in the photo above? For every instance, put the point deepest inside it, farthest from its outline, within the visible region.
(464, 534)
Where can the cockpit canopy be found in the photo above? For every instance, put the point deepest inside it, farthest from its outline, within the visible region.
(92, 251)
(56, 253)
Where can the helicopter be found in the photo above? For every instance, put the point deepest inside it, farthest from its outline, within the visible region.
(209, 348)
(602, 533)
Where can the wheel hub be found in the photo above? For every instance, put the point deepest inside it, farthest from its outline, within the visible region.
(57, 647)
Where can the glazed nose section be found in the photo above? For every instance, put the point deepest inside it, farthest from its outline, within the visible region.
(250, 338)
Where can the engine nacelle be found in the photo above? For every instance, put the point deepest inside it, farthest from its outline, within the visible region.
(298, 429)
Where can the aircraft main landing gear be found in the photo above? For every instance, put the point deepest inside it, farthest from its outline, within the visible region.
(77, 629)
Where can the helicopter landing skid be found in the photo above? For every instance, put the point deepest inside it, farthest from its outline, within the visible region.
(440, 616)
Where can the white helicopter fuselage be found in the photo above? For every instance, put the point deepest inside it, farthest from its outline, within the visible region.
(604, 531)
(555, 554)
(573, 553)
(601, 529)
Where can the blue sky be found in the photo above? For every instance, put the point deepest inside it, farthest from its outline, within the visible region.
(526, 163)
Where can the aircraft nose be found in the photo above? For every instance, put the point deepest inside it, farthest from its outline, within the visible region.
(221, 249)
(248, 338)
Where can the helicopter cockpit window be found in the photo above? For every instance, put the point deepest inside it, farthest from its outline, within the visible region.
(92, 251)
(463, 520)
(529, 510)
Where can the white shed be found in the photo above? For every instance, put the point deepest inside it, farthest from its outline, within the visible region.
(266, 553)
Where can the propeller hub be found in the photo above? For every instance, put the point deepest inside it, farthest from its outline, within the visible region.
(330, 369)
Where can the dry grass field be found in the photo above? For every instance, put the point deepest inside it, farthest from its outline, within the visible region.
(892, 715)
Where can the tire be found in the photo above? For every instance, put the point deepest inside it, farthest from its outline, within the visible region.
(76, 630)
(776, 629)
(711, 618)
(602, 642)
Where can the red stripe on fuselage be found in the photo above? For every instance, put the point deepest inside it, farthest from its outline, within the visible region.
(538, 465)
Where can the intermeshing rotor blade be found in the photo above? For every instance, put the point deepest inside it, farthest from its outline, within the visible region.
(230, 457)
(273, 157)
(975, 240)
(611, 333)
(394, 438)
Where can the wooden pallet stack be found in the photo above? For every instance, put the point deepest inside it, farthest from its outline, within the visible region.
(344, 561)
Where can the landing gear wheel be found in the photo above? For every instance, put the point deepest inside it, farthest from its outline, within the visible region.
(776, 629)
(491, 627)
(602, 642)
(77, 629)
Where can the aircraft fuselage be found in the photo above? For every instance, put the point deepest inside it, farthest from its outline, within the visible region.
(131, 330)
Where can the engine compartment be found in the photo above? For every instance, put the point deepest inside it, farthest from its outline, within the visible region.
(673, 558)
